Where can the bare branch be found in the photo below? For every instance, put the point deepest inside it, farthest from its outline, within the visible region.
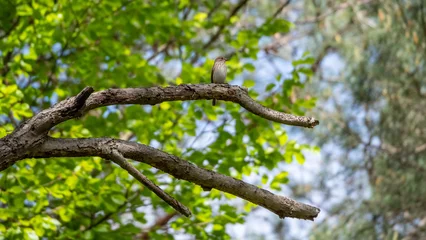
(30, 140)
(281, 8)
(115, 156)
(33, 132)
(155, 95)
(181, 169)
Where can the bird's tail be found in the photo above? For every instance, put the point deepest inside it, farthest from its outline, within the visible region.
(214, 102)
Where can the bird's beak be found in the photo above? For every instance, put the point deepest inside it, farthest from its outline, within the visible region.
(226, 59)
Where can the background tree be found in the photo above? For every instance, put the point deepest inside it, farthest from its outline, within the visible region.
(51, 50)
(370, 82)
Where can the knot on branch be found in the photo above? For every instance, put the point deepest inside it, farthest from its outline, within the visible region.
(81, 98)
(73, 106)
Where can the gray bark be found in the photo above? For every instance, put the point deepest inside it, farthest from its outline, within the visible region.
(31, 139)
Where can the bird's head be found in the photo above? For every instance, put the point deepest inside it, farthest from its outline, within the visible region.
(220, 59)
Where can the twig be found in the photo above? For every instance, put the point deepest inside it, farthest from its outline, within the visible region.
(219, 31)
(118, 158)
(158, 224)
(14, 24)
(216, 6)
(281, 8)
(221, 27)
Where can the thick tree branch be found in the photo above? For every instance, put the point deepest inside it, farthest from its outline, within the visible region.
(115, 156)
(32, 133)
(181, 169)
(30, 140)
(155, 95)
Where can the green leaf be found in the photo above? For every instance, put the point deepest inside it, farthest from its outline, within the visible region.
(200, 16)
(15, 189)
(65, 214)
(276, 25)
(24, 10)
(307, 60)
(283, 138)
(249, 67)
(299, 157)
(183, 3)
(9, 89)
(32, 55)
(27, 67)
(30, 234)
(306, 71)
(217, 227)
(72, 181)
(118, 199)
(2, 132)
(249, 83)
(281, 178)
(264, 179)
(269, 87)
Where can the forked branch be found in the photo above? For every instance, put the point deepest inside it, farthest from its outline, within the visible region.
(179, 168)
(30, 139)
(115, 156)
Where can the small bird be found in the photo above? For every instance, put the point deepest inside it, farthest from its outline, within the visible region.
(218, 72)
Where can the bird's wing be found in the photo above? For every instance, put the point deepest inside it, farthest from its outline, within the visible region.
(211, 75)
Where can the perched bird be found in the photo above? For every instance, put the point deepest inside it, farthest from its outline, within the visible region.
(218, 72)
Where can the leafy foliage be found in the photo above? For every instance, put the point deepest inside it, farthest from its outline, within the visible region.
(50, 50)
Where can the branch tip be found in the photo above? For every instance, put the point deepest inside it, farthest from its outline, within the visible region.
(115, 156)
(81, 98)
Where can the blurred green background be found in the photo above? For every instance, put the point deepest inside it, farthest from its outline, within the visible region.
(356, 65)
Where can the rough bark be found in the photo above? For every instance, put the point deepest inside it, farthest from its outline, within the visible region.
(155, 95)
(30, 139)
